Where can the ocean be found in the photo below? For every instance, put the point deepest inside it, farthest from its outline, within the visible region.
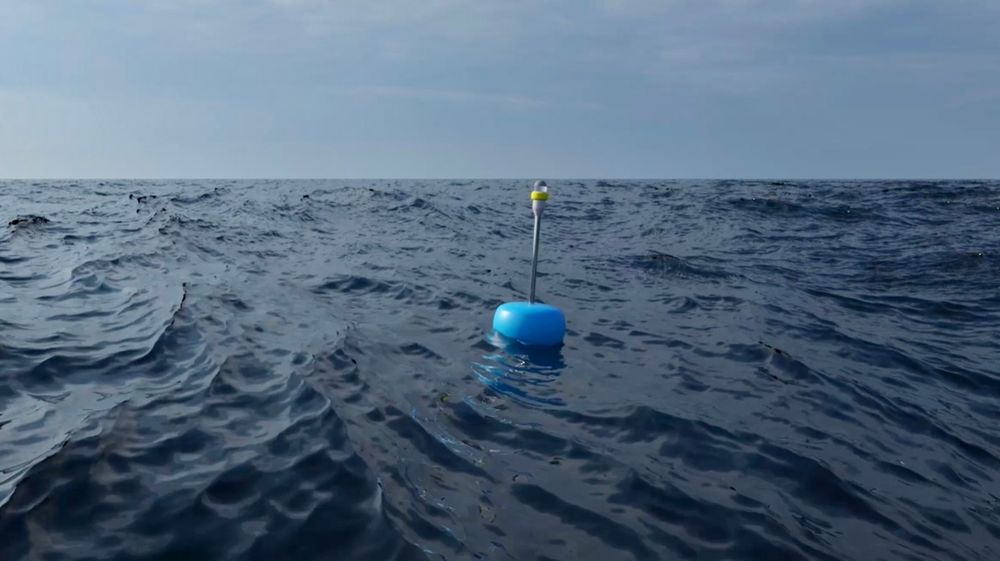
(304, 370)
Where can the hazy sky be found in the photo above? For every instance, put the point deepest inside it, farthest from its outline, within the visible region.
(501, 88)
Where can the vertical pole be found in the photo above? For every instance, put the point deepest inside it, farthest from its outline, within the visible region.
(534, 255)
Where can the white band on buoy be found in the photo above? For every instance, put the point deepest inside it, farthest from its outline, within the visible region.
(539, 196)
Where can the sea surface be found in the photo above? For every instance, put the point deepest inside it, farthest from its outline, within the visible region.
(304, 370)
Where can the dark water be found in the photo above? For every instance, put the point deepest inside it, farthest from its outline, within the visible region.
(302, 370)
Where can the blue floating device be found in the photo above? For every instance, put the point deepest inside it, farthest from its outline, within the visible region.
(531, 322)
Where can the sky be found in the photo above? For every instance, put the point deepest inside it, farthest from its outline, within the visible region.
(500, 88)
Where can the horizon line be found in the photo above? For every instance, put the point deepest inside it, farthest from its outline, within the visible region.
(525, 178)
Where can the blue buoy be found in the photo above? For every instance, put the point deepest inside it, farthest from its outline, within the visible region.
(531, 322)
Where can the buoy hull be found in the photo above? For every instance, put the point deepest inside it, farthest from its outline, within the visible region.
(531, 324)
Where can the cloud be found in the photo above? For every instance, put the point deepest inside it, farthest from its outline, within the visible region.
(442, 95)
